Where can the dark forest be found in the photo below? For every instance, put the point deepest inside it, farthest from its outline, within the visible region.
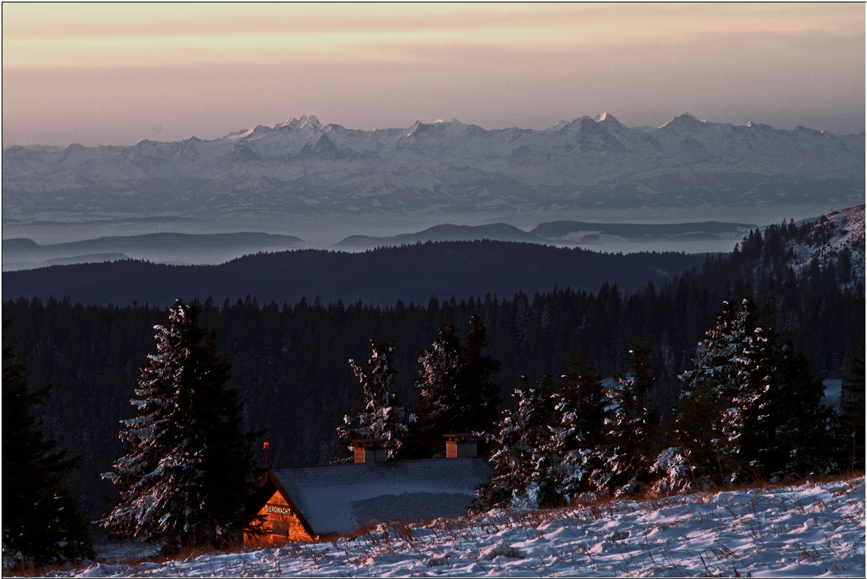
(289, 361)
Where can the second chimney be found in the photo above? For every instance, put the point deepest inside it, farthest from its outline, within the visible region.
(460, 445)
(370, 450)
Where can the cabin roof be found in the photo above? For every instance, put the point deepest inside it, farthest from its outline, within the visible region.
(342, 497)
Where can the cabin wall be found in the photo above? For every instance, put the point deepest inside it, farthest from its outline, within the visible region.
(281, 523)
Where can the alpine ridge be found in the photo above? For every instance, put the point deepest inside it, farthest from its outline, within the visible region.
(302, 167)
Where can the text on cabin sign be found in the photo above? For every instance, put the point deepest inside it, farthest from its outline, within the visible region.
(279, 510)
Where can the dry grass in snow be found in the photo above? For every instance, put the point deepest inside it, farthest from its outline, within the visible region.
(808, 530)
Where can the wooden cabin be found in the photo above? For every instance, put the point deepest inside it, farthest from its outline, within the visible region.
(306, 503)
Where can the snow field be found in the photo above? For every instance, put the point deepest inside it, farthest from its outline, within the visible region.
(809, 530)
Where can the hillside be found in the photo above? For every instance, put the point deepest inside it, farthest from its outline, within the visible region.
(806, 530)
(379, 277)
(828, 250)
(836, 238)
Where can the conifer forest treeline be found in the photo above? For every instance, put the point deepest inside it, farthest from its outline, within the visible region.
(289, 362)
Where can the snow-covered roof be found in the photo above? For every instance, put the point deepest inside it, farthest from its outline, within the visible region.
(342, 497)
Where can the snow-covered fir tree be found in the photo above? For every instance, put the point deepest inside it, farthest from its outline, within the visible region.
(750, 408)
(188, 468)
(381, 416)
(580, 437)
(706, 424)
(456, 392)
(751, 421)
(524, 456)
(438, 394)
(634, 428)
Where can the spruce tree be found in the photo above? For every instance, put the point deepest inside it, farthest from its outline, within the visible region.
(636, 425)
(580, 438)
(804, 441)
(381, 416)
(42, 520)
(456, 393)
(438, 394)
(188, 469)
(523, 457)
(479, 395)
(852, 409)
(752, 420)
(706, 426)
(751, 408)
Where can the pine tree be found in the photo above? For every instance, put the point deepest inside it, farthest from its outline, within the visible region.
(455, 391)
(524, 458)
(438, 394)
(805, 437)
(381, 417)
(479, 396)
(852, 408)
(580, 439)
(750, 408)
(752, 421)
(42, 520)
(188, 468)
(635, 428)
(706, 426)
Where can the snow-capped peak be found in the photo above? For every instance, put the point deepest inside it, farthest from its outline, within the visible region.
(414, 128)
(243, 133)
(302, 122)
(684, 120)
(608, 120)
(761, 126)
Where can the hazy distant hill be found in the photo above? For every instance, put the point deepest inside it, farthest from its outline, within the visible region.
(380, 277)
(163, 247)
(445, 232)
(577, 230)
(568, 232)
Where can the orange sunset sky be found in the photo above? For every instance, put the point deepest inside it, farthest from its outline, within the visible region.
(115, 74)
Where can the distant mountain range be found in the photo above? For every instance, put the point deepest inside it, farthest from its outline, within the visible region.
(304, 168)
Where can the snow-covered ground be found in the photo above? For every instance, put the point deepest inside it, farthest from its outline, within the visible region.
(809, 530)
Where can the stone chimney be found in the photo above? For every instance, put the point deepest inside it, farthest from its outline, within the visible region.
(460, 445)
(370, 450)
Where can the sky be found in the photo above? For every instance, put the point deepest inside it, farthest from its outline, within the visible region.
(115, 74)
